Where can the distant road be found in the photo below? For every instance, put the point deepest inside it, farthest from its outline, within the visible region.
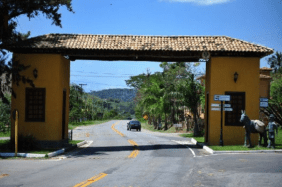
(118, 157)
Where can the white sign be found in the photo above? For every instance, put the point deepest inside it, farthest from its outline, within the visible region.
(263, 104)
(228, 109)
(215, 109)
(215, 105)
(221, 97)
(263, 99)
(177, 125)
(227, 105)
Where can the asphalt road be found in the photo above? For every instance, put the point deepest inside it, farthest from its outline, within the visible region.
(117, 157)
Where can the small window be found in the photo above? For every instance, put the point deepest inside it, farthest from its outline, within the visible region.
(237, 101)
(35, 104)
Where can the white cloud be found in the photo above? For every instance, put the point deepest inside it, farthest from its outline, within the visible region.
(201, 2)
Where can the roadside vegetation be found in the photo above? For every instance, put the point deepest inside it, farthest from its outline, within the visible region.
(86, 109)
(275, 102)
(5, 113)
(199, 139)
(145, 125)
(169, 97)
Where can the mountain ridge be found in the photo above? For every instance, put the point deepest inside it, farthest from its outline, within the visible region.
(123, 94)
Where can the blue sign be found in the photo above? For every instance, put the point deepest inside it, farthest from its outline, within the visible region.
(263, 99)
(227, 105)
(228, 109)
(263, 104)
(221, 97)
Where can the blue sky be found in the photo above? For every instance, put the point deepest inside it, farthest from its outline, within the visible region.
(256, 21)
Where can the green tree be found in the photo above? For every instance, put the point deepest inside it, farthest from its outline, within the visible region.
(153, 98)
(276, 89)
(136, 81)
(10, 10)
(75, 103)
(5, 113)
(275, 62)
(190, 92)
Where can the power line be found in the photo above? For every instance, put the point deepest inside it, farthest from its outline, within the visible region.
(98, 76)
(90, 72)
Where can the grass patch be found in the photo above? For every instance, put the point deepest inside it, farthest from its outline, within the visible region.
(145, 125)
(43, 151)
(236, 148)
(75, 141)
(199, 139)
(5, 134)
(73, 125)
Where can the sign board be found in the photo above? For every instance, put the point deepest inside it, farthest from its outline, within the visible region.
(177, 125)
(263, 99)
(215, 109)
(263, 104)
(215, 105)
(227, 105)
(221, 98)
(228, 109)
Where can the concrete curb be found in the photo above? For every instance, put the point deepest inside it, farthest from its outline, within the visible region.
(25, 155)
(52, 154)
(55, 153)
(194, 141)
(211, 151)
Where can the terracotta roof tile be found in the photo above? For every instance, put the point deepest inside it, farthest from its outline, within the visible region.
(266, 69)
(140, 43)
(264, 76)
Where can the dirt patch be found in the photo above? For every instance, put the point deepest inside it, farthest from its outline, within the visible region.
(3, 175)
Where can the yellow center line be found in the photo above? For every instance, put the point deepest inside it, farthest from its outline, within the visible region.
(136, 151)
(113, 128)
(91, 180)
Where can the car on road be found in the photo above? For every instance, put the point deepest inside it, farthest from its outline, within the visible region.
(134, 125)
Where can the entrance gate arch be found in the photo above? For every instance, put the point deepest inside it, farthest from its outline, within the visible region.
(42, 109)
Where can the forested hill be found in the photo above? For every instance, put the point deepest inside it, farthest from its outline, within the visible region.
(121, 94)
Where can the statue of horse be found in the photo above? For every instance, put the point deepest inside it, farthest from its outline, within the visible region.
(253, 126)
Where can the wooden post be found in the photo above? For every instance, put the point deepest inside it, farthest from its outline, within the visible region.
(16, 133)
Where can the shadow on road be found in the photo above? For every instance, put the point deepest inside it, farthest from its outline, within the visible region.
(99, 151)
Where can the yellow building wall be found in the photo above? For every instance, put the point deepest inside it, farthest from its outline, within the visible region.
(53, 74)
(264, 88)
(220, 78)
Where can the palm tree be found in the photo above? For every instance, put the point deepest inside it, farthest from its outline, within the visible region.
(153, 98)
(191, 98)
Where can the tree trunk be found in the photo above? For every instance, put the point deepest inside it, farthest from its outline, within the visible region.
(155, 121)
(173, 114)
(165, 127)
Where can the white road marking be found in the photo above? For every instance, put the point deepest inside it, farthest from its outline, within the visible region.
(192, 151)
(186, 143)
